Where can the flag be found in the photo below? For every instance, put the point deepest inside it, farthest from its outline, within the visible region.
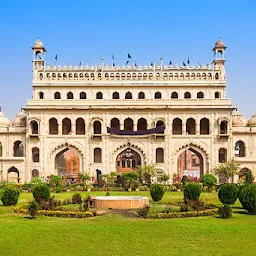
(80, 63)
(127, 62)
(129, 56)
(188, 61)
(135, 64)
(184, 64)
(170, 63)
(113, 56)
(56, 57)
(113, 64)
(152, 64)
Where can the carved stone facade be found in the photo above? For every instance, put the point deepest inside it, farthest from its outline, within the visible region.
(72, 108)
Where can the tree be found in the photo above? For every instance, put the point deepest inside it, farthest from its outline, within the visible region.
(147, 172)
(110, 178)
(164, 178)
(130, 178)
(228, 169)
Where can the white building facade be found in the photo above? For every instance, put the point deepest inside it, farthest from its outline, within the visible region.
(116, 118)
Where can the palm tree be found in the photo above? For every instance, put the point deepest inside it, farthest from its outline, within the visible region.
(228, 169)
(164, 178)
(147, 172)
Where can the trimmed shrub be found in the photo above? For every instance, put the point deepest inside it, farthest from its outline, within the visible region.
(143, 212)
(225, 211)
(41, 192)
(76, 199)
(157, 192)
(10, 195)
(192, 192)
(209, 181)
(33, 209)
(247, 197)
(228, 193)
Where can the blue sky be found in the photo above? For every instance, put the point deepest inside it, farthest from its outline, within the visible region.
(88, 30)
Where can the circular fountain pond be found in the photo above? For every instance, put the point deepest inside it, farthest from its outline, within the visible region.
(119, 202)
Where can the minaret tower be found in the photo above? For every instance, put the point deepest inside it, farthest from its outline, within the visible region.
(219, 59)
(38, 56)
(219, 50)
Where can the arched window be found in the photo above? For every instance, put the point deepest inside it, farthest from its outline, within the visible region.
(159, 155)
(1, 149)
(99, 96)
(158, 95)
(158, 124)
(18, 149)
(191, 126)
(97, 155)
(53, 126)
(34, 127)
(57, 96)
(204, 126)
(142, 124)
(41, 95)
(82, 95)
(224, 127)
(35, 173)
(187, 95)
(222, 155)
(141, 95)
(128, 124)
(66, 126)
(240, 149)
(216, 76)
(97, 127)
(174, 95)
(217, 95)
(70, 96)
(80, 126)
(128, 96)
(115, 95)
(200, 95)
(115, 123)
(177, 126)
(35, 155)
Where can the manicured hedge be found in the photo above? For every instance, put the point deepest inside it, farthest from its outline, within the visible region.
(170, 215)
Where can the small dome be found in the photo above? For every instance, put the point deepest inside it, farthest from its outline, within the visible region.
(252, 120)
(38, 44)
(238, 119)
(20, 120)
(219, 43)
(4, 121)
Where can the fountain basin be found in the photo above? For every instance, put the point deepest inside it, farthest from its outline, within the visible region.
(119, 202)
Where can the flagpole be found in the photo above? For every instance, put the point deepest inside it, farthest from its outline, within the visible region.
(102, 63)
(161, 63)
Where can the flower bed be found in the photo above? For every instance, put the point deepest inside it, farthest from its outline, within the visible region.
(162, 215)
(50, 213)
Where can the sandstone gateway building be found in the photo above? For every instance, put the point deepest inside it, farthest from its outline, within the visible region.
(82, 118)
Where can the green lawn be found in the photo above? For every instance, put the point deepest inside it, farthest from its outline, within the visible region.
(119, 235)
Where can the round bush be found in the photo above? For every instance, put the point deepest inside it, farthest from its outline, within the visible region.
(209, 181)
(76, 199)
(247, 197)
(157, 192)
(10, 195)
(225, 211)
(41, 192)
(228, 194)
(192, 192)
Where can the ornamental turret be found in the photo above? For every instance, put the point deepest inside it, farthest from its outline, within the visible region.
(38, 58)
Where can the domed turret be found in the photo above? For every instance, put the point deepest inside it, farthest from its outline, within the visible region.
(238, 119)
(219, 43)
(252, 120)
(20, 120)
(4, 121)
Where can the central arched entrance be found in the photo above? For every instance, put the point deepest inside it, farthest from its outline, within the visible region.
(67, 163)
(128, 160)
(190, 163)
